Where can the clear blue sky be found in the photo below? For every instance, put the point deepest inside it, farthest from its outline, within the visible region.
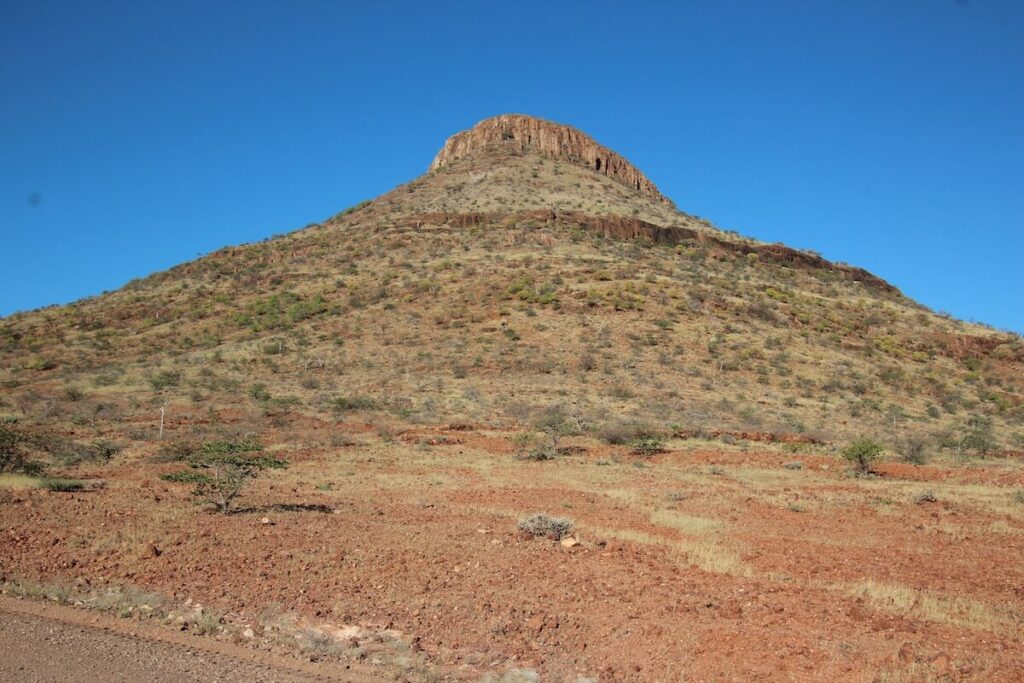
(888, 134)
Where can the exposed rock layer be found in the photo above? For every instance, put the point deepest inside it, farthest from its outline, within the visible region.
(622, 227)
(518, 134)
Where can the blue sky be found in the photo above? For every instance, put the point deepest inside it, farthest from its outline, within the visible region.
(890, 135)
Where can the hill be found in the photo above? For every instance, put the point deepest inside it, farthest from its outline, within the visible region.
(514, 274)
(532, 325)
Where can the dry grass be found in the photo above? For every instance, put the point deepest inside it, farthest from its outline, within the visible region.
(18, 482)
(686, 524)
(933, 606)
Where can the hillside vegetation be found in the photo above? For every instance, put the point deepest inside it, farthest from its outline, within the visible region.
(451, 299)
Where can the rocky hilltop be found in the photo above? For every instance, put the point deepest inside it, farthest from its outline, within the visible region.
(520, 134)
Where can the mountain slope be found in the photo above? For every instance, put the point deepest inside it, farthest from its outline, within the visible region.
(515, 276)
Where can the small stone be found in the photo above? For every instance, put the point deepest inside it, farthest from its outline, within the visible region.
(265, 520)
(570, 541)
(940, 662)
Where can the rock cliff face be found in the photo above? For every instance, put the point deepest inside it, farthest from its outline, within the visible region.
(518, 134)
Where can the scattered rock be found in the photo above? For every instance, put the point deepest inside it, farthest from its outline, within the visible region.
(940, 663)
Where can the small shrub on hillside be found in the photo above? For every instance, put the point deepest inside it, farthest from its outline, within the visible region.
(16, 445)
(533, 446)
(176, 450)
(925, 497)
(184, 477)
(862, 454)
(62, 485)
(627, 433)
(341, 441)
(70, 453)
(104, 450)
(548, 427)
(12, 448)
(557, 422)
(587, 362)
(164, 379)
(73, 394)
(345, 403)
(221, 469)
(212, 448)
(259, 392)
(912, 450)
(540, 524)
(977, 437)
(647, 445)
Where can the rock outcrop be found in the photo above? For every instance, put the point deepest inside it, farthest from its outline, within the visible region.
(518, 134)
(624, 228)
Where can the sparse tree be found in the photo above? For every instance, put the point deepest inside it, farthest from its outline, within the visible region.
(862, 453)
(977, 437)
(221, 469)
(226, 467)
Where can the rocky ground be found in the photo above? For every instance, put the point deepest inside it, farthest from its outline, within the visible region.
(706, 562)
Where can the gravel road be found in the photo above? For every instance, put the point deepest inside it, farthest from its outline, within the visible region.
(49, 643)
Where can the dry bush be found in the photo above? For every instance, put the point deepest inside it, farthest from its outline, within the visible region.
(541, 524)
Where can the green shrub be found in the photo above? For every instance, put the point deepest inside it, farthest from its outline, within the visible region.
(62, 485)
(12, 447)
(912, 450)
(630, 434)
(548, 427)
(16, 444)
(176, 450)
(259, 392)
(221, 469)
(164, 379)
(862, 453)
(73, 393)
(648, 445)
(228, 447)
(978, 436)
(105, 450)
(345, 403)
(185, 477)
(69, 453)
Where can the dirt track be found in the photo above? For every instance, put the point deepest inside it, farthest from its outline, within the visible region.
(49, 643)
